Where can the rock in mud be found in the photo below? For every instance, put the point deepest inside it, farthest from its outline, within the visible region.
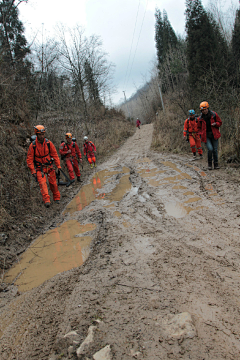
(103, 354)
(179, 326)
(87, 342)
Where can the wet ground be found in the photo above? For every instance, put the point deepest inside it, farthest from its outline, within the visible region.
(148, 252)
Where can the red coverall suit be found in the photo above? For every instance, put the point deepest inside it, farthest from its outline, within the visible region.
(192, 127)
(41, 164)
(138, 123)
(88, 148)
(71, 158)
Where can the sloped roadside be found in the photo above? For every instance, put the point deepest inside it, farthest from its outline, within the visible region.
(162, 279)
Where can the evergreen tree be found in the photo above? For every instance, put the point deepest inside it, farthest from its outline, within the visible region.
(206, 48)
(13, 44)
(92, 85)
(15, 70)
(165, 36)
(236, 47)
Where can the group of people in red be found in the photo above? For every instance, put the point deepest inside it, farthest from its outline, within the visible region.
(203, 128)
(42, 153)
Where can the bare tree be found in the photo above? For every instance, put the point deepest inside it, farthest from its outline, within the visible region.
(86, 64)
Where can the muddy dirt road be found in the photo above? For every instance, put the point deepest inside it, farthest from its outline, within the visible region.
(162, 279)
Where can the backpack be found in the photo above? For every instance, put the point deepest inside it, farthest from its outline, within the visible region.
(86, 144)
(74, 144)
(196, 119)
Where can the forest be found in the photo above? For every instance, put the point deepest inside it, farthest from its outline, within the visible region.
(203, 65)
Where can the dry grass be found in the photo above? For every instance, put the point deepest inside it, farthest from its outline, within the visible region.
(168, 133)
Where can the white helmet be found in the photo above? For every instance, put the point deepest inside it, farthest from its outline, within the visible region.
(85, 138)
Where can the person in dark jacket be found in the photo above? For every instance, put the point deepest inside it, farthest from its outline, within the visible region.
(208, 128)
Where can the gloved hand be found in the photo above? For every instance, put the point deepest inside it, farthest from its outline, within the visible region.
(214, 124)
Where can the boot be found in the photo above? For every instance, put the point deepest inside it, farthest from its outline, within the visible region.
(47, 204)
(194, 156)
(91, 165)
(95, 165)
(201, 156)
(216, 166)
(79, 179)
(57, 201)
(209, 166)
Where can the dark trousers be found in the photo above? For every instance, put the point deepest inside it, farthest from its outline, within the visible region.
(212, 146)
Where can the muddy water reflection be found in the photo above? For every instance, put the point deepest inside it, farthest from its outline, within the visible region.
(93, 191)
(56, 251)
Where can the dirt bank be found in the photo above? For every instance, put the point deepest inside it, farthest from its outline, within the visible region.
(162, 280)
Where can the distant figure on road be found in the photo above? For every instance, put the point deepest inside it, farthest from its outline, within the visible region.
(70, 152)
(191, 132)
(208, 126)
(39, 160)
(89, 150)
(138, 123)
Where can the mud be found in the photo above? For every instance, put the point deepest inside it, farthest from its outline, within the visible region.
(161, 277)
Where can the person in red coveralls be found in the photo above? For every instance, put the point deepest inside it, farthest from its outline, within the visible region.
(39, 160)
(138, 123)
(89, 150)
(70, 152)
(191, 129)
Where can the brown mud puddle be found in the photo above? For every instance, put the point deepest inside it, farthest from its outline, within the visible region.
(64, 247)
(92, 191)
(178, 210)
(56, 251)
(175, 209)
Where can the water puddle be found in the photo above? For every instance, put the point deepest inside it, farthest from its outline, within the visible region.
(191, 200)
(92, 191)
(171, 165)
(178, 187)
(188, 193)
(120, 190)
(145, 173)
(179, 210)
(117, 214)
(126, 224)
(56, 251)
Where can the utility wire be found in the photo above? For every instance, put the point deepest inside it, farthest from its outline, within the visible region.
(137, 42)
(132, 43)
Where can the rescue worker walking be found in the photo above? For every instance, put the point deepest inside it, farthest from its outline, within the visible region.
(138, 123)
(191, 128)
(70, 152)
(208, 126)
(89, 150)
(39, 160)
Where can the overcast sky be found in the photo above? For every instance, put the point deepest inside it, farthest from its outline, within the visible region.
(126, 28)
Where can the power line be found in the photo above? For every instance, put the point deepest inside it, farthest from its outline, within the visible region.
(137, 42)
(132, 43)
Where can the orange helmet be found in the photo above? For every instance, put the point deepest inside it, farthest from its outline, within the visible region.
(204, 105)
(39, 129)
(68, 135)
